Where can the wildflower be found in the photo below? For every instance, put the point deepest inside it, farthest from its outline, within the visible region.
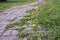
(33, 13)
(33, 25)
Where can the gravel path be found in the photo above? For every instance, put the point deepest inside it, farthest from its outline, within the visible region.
(14, 14)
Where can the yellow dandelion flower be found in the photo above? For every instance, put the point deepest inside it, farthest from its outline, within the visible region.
(33, 13)
(33, 25)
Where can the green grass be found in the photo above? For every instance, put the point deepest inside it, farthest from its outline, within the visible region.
(10, 3)
(49, 17)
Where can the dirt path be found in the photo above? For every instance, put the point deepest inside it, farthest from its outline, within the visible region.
(14, 14)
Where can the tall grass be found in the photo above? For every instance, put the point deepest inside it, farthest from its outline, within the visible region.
(49, 17)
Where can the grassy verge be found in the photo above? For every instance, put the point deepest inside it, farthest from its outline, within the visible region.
(50, 19)
(11, 3)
